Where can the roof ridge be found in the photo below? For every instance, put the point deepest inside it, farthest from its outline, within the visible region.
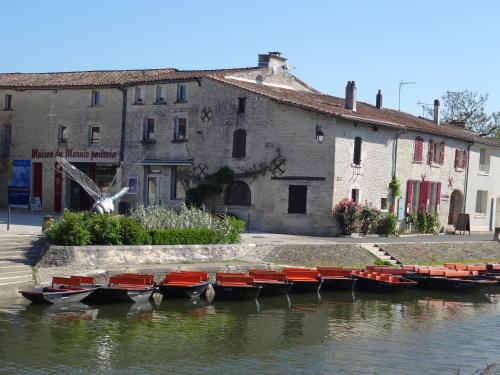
(96, 71)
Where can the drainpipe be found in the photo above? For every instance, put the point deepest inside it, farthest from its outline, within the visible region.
(124, 122)
(466, 185)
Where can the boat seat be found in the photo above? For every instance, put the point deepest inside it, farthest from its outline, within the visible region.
(457, 274)
(477, 267)
(202, 274)
(230, 284)
(87, 280)
(436, 272)
(129, 280)
(269, 276)
(302, 279)
(66, 281)
(334, 272)
(235, 279)
(182, 278)
(304, 274)
(409, 267)
(148, 278)
(269, 281)
(181, 283)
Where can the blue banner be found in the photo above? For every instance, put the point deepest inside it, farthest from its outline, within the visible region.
(19, 183)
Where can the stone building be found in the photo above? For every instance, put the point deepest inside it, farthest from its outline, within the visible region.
(295, 152)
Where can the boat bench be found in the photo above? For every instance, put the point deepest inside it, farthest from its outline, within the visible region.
(65, 281)
(183, 278)
(127, 281)
(268, 275)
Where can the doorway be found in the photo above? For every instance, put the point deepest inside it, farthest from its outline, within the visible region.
(37, 180)
(153, 192)
(79, 200)
(456, 206)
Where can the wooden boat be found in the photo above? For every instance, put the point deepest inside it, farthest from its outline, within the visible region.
(303, 279)
(381, 282)
(125, 288)
(445, 279)
(272, 282)
(235, 286)
(184, 284)
(62, 290)
(335, 278)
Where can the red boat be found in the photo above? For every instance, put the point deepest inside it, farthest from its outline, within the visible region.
(62, 290)
(335, 278)
(126, 287)
(230, 286)
(184, 284)
(381, 282)
(272, 282)
(443, 278)
(303, 279)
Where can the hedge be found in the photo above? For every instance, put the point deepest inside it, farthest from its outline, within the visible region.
(185, 236)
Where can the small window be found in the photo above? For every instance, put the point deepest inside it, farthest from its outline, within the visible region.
(237, 194)
(437, 152)
(8, 102)
(6, 140)
(139, 95)
(94, 136)
(181, 93)
(419, 149)
(149, 129)
(357, 151)
(355, 195)
(180, 133)
(181, 176)
(482, 202)
(297, 199)
(484, 160)
(161, 94)
(383, 203)
(242, 103)
(96, 98)
(61, 135)
(239, 143)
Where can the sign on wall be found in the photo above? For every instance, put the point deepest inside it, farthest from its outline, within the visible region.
(19, 184)
(133, 185)
(77, 155)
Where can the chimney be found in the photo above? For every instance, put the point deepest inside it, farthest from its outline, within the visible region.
(437, 115)
(272, 60)
(379, 99)
(350, 95)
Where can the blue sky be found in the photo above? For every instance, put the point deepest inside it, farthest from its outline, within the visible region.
(441, 45)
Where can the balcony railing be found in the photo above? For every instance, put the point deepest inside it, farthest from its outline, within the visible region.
(484, 168)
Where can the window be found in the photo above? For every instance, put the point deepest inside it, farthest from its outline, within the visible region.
(242, 103)
(355, 195)
(181, 176)
(161, 94)
(482, 202)
(8, 102)
(297, 199)
(418, 153)
(149, 129)
(422, 196)
(139, 95)
(95, 100)
(181, 93)
(383, 203)
(484, 160)
(94, 135)
(237, 194)
(434, 198)
(6, 140)
(436, 152)
(461, 159)
(357, 151)
(180, 133)
(239, 143)
(61, 135)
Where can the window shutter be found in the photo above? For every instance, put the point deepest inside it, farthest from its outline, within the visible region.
(457, 158)
(425, 189)
(438, 196)
(409, 195)
(430, 155)
(357, 151)
(419, 147)
(441, 153)
(465, 159)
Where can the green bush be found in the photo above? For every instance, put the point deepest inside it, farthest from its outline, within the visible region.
(184, 236)
(237, 227)
(71, 230)
(433, 222)
(133, 233)
(387, 224)
(104, 229)
(422, 221)
(368, 217)
(380, 262)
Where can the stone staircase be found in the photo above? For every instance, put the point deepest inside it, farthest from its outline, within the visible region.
(18, 253)
(381, 254)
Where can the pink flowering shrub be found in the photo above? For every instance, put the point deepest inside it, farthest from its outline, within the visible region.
(346, 212)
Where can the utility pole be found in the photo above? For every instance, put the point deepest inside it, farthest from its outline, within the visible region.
(400, 85)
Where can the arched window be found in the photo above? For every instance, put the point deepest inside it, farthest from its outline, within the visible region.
(357, 151)
(239, 143)
(237, 194)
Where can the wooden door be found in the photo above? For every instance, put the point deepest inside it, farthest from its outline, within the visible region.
(37, 180)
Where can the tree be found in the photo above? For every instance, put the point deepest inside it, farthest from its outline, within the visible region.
(469, 106)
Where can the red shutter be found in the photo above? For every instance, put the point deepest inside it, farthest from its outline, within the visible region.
(465, 159)
(409, 196)
(419, 147)
(438, 196)
(430, 154)
(425, 189)
(441, 153)
(457, 158)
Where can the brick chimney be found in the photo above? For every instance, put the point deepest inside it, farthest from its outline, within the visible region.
(379, 99)
(350, 95)
(437, 114)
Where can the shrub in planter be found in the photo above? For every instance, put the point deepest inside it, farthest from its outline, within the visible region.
(387, 224)
(181, 236)
(368, 216)
(346, 213)
(71, 230)
(104, 229)
(133, 233)
(433, 222)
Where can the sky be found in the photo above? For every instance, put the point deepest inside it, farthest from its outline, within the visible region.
(441, 45)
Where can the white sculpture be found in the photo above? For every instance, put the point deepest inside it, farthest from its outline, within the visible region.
(104, 201)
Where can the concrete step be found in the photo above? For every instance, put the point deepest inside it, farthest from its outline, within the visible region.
(18, 255)
(15, 279)
(11, 265)
(27, 284)
(19, 272)
(17, 249)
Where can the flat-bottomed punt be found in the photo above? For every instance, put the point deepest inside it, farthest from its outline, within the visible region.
(304, 279)
(443, 278)
(235, 286)
(62, 290)
(381, 282)
(184, 284)
(125, 288)
(335, 278)
(272, 282)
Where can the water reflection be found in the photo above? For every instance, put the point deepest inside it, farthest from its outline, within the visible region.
(287, 334)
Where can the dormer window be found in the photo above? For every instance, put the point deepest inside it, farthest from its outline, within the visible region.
(161, 94)
(139, 95)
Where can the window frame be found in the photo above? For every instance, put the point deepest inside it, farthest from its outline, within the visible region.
(358, 147)
(483, 203)
(174, 182)
(243, 197)
(161, 89)
(181, 95)
(418, 154)
(95, 98)
(61, 139)
(92, 140)
(176, 129)
(242, 105)
(355, 194)
(139, 95)
(239, 144)
(297, 208)
(7, 105)
(148, 134)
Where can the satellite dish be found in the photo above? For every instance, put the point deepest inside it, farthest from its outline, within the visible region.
(104, 202)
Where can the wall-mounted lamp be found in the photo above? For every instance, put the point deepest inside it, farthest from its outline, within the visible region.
(320, 136)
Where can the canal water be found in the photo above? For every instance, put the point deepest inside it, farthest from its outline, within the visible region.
(331, 333)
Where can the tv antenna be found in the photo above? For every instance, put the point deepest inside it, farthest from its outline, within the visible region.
(424, 106)
(401, 84)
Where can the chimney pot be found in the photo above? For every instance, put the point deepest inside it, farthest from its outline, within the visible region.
(379, 99)
(437, 114)
(350, 95)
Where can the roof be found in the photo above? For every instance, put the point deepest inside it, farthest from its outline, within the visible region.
(105, 78)
(365, 113)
